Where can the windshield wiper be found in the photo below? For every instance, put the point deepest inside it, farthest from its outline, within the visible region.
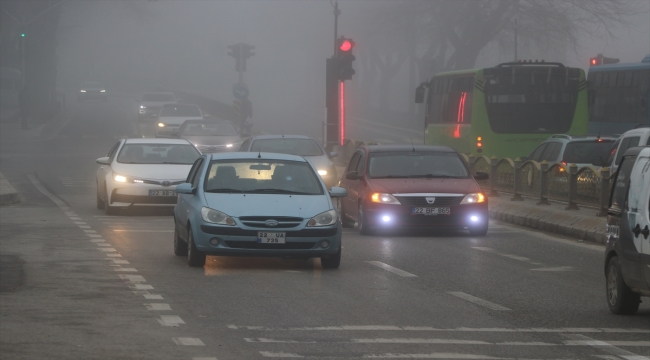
(223, 190)
(279, 191)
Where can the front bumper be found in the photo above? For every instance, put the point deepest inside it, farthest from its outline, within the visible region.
(400, 217)
(130, 194)
(242, 241)
(92, 95)
(168, 130)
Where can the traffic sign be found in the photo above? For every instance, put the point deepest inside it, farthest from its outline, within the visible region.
(240, 91)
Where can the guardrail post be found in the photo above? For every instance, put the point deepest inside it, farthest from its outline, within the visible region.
(543, 187)
(573, 187)
(493, 176)
(516, 196)
(604, 191)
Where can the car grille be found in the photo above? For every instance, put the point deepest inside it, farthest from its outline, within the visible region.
(260, 221)
(260, 246)
(234, 231)
(164, 183)
(422, 201)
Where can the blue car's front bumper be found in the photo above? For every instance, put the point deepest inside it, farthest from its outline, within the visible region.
(237, 241)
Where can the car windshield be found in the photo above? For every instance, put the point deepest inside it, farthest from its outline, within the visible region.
(416, 164)
(301, 147)
(262, 177)
(208, 129)
(158, 97)
(586, 152)
(181, 110)
(158, 154)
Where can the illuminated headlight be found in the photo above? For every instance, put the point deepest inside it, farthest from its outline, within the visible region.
(102, 91)
(120, 178)
(474, 218)
(473, 198)
(142, 107)
(216, 217)
(322, 172)
(385, 218)
(323, 219)
(161, 124)
(138, 181)
(384, 199)
(83, 90)
(229, 145)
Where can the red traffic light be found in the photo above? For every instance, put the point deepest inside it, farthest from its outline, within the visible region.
(594, 61)
(346, 45)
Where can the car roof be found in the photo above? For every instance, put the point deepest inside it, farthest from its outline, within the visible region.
(569, 138)
(156, 141)
(407, 148)
(637, 131)
(261, 137)
(254, 156)
(638, 150)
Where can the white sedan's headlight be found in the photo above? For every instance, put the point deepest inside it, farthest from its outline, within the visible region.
(228, 145)
(384, 199)
(216, 217)
(142, 107)
(323, 219)
(120, 178)
(83, 90)
(102, 91)
(322, 172)
(161, 125)
(473, 198)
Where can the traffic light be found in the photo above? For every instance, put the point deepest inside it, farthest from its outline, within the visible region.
(344, 58)
(601, 60)
(240, 52)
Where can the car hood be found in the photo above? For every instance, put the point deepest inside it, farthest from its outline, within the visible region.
(213, 140)
(176, 120)
(321, 162)
(153, 171)
(237, 205)
(419, 186)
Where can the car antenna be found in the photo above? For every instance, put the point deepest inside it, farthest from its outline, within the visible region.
(413, 146)
(259, 154)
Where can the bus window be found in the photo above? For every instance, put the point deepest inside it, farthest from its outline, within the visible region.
(628, 79)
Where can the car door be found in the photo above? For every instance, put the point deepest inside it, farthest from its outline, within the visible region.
(348, 203)
(185, 203)
(104, 170)
(641, 175)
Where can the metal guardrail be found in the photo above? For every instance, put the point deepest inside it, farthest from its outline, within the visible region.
(588, 186)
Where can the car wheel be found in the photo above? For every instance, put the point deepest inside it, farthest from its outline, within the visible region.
(195, 258)
(180, 246)
(331, 261)
(364, 229)
(100, 202)
(109, 210)
(620, 298)
(346, 222)
(479, 231)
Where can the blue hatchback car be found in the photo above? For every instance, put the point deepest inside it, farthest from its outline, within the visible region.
(256, 204)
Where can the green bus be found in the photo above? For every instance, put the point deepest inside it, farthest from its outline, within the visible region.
(506, 110)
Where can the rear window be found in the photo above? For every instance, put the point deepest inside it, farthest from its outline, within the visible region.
(622, 184)
(586, 152)
(416, 165)
(180, 154)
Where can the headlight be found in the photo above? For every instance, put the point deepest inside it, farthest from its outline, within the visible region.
(323, 219)
(384, 199)
(216, 217)
(161, 124)
(102, 91)
(120, 178)
(473, 198)
(322, 172)
(142, 107)
(229, 145)
(83, 90)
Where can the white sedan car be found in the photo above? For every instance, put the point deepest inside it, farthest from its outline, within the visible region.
(143, 172)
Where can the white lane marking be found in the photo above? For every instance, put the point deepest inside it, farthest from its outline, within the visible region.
(90, 231)
(119, 261)
(152, 297)
(84, 226)
(556, 269)
(113, 255)
(606, 343)
(51, 196)
(94, 235)
(204, 358)
(419, 341)
(188, 341)
(394, 270)
(411, 341)
(107, 249)
(102, 243)
(132, 278)
(605, 346)
(574, 242)
(265, 340)
(428, 328)
(141, 287)
(97, 240)
(154, 231)
(158, 307)
(271, 354)
(170, 320)
(80, 222)
(431, 356)
(126, 269)
(524, 259)
(478, 301)
(75, 218)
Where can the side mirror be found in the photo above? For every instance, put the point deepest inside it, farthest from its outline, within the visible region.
(185, 188)
(352, 175)
(104, 160)
(334, 154)
(419, 94)
(481, 176)
(338, 192)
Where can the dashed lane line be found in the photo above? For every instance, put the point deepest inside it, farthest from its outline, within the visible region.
(608, 346)
(392, 269)
(478, 301)
(416, 341)
(434, 329)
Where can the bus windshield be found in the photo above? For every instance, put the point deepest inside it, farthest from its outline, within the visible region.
(531, 100)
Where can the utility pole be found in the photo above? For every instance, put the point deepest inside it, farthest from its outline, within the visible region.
(515, 39)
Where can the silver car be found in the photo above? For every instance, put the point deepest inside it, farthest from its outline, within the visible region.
(300, 145)
(211, 136)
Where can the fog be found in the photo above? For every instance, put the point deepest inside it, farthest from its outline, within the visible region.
(137, 46)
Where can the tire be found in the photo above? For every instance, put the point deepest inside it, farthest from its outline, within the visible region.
(195, 258)
(346, 222)
(479, 231)
(331, 261)
(180, 246)
(100, 202)
(620, 298)
(364, 229)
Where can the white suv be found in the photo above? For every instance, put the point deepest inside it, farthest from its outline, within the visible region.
(639, 136)
(579, 150)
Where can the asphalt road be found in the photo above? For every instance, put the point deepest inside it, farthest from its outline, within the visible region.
(77, 284)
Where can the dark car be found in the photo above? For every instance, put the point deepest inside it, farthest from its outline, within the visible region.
(411, 188)
(211, 135)
(627, 255)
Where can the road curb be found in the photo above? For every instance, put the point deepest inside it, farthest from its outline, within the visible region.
(8, 195)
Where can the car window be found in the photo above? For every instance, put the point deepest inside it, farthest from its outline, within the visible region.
(362, 162)
(417, 164)
(622, 184)
(627, 143)
(352, 166)
(181, 154)
(207, 128)
(259, 176)
(648, 141)
(302, 147)
(536, 155)
(111, 153)
(586, 152)
(192, 174)
(552, 152)
(612, 153)
(181, 110)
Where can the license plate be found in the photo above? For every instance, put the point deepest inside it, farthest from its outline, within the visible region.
(430, 211)
(162, 193)
(271, 237)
